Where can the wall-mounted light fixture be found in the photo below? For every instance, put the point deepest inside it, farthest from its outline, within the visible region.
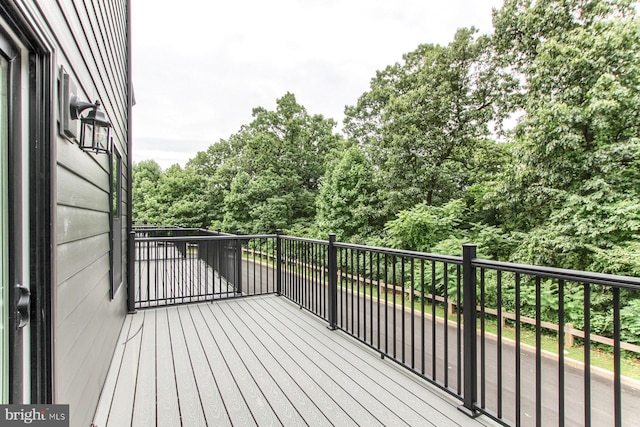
(95, 133)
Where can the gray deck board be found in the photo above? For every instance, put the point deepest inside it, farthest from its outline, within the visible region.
(383, 408)
(108, 390)
(309, 399)
(256, 353)
(231, 394)
(311, 379)
(259, 361)
(355, 383)
(214, 409)
(168, 411)
(396, 382)
(124, 393)
(270, 388)
(145, 404)
(245, 378)
(191, 411)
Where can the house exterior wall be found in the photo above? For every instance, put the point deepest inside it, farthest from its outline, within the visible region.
(89, 40)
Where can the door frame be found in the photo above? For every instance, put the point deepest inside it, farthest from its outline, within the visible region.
(42, 187)
(41, 198)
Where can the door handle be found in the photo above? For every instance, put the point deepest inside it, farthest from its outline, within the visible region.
(23, 306)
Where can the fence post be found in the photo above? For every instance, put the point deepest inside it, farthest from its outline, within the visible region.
(278, 263)
(131, 273)
(238, 263)
(470, 354)
(333, 283)
(568, 335)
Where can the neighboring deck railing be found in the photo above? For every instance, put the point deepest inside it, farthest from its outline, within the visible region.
(396, 303)
(181, 265)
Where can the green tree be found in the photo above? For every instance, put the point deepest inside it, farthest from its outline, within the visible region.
(266, 175)
(181, 194)
(273, 202)
(219, 164)
(348, 201)
(237, 203)
(576, 187)
(290, 141)
(422, 227)
(422, 119)
(523, 26)
(282, 156)
(146, 176)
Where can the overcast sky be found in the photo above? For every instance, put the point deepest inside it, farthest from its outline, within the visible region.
(201, 66)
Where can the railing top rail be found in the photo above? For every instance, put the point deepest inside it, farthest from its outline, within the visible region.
(160, 227)
(253, 236)
(398, 252)
(560, 273)
(203, 238)
(213, 232)
(156, 228)
(302, 239)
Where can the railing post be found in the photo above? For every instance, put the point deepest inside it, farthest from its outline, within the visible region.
(238, 264)
(278, 263)
(218, 253)
(181, 245)
(470, 356)
(131, 282)
(333, 282)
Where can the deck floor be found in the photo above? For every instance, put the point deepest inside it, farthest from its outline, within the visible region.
(259, 361)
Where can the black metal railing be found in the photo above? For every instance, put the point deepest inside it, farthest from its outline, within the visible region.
(180, 265)
(551, 389)
(472, 327)
(305, 273)
(385, 298)
(447, 320)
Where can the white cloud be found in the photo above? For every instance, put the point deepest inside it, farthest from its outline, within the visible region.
(200, 67)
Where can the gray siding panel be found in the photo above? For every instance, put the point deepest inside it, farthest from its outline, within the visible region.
(76, 291)
(84, 61)
(87, 167)
(84, 368)
(80, 193)
(84, 327)
(79, 224)
(74, 257)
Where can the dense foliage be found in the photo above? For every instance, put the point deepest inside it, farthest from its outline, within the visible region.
(426, 163)
(264, 177)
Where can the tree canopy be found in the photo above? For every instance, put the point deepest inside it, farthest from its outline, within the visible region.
(431, 156)
(423, 119)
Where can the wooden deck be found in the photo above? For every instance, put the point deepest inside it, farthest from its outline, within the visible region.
(259, 361)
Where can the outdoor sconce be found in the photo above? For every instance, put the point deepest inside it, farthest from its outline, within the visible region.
(95, 130)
